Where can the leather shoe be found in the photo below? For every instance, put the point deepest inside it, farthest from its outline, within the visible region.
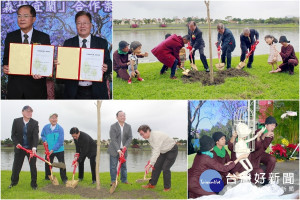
(126, 182)
(34, 187)
(207, 70)
(148, 186)
(93, 182)
(80, 179)
(167, 189)
(173, 77)
(10, 186)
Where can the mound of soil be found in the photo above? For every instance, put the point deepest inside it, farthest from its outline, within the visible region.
(219, 76)
(103, 193)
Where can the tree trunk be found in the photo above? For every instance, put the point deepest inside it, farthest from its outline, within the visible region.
(211, 74)
(98, 144)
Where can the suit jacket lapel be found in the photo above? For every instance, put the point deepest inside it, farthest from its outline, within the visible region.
(76, 42)
(19, 37)
(93, 43)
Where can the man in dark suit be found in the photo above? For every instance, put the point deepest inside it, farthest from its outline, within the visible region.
(86, 147)
(18, 86)
(227, 42)
(25, 132)
(248, 38)
(85, 89)
(120, 134)
(197, 43)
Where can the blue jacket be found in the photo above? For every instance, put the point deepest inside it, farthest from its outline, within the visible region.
(55, 138)
(227, 40)
(245, 42)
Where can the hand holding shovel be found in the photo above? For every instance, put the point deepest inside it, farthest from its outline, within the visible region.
(73, 183)
(243, 63)
(53, 179)
(147, 168)
(58, 165)
(121, 161)
(220, 66)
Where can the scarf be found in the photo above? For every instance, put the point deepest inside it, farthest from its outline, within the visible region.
(122, 52)
(220, 152)
(210, 154)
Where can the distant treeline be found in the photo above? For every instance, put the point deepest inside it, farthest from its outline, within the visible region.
(227, 20)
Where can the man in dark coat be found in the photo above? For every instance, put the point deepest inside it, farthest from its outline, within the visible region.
(167, 52)
(19, 86)
(86, 147)
(225, 37)
(197, 43)
(248, 38)
(85, 89)
(25, 132)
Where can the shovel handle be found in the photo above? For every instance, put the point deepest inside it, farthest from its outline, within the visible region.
(35, 155)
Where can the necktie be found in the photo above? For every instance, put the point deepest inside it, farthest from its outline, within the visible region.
(26, 39)
(84, 43)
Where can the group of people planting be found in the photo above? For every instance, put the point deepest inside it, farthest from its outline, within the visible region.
(25, 136)
(213, 155)
(171, 52)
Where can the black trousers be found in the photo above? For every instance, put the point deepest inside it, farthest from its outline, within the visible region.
(93, 168)
(61, 158)
(202, 57)
(243, 56)
(84, 92)
(17, 166)
(163, 163)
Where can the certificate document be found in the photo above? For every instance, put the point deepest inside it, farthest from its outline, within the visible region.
(30, 59)
(91, 64)
(68, 59)
(80, 64)
(42, 60)
(19, 59)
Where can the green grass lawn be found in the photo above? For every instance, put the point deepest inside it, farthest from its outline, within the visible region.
(260, 85)
(24, 191)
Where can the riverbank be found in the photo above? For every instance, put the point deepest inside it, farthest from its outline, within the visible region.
(201, 26)
(259, 85)
(86, 190)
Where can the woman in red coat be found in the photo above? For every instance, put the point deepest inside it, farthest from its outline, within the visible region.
(203, 161)
(167, 52)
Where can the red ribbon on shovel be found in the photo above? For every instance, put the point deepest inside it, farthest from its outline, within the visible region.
(121, 160)
(47, 153)
(252, 49)
(31, 154)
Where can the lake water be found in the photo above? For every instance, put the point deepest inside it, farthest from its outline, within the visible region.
(151, 38)
(136, 161)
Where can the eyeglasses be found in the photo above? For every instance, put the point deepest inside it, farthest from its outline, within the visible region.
(82, 24)
(24, 16)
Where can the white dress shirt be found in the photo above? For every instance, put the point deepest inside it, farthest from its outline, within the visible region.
(88, 45)
(161, 143)
(29, 36)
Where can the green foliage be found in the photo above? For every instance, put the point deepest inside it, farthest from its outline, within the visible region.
(260, 85)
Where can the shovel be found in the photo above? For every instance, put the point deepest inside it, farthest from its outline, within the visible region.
(73, 183)
(193, 66)
(220, 66)
(57, 165)
(121, 161)
(146, 172)
(53, 179)
(242, 64)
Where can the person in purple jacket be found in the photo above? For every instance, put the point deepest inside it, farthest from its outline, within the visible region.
(288, 56)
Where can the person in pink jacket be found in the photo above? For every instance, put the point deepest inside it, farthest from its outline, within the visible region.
(167, 52)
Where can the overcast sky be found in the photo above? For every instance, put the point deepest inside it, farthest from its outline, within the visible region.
(167, 116)
(218, 9)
